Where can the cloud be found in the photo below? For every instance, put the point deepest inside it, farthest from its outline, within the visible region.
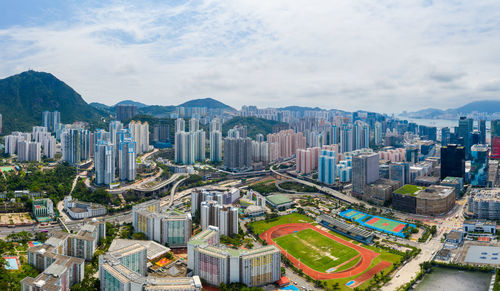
(386, 56)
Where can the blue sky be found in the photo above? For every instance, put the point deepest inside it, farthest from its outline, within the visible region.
(385, 55)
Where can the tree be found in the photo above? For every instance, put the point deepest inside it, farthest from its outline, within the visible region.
(139, 236)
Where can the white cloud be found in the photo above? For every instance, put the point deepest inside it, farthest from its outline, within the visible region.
(384, 56)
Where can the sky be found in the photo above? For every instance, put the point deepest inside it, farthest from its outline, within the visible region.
(385, 55)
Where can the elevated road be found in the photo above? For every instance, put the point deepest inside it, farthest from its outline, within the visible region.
(329, 191)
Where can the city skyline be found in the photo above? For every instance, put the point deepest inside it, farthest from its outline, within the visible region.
(386, 58)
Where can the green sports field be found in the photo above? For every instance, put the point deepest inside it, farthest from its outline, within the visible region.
(315, 250)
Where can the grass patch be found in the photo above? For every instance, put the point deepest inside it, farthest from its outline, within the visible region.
(349, 265)
(315, 250)
(409, 189)
(263, 225)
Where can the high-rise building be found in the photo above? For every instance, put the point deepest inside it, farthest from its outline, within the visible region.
(28, 151)
(61, 259)
(400, 172)
(180, 125)
(445, 136)
(378, 138)
(346, 138)
(51, 120)
(140, 134)
(114, 127)
(479, 165)
(237, 153)
(127, 162)
(125, 112)
(103, 163)
(76, 145)
(495, 128)
(365, 170)
(215, 264)
(194, 125)
(161, 132)
(327, 167)
(49, 146)
(125, 267)
(464, 131)
(482, 131)
(452, 161)
(215, 140)
(411, 153)
(288, 142)
(225, 218)
(162, 225)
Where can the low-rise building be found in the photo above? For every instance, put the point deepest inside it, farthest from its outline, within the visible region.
(43, 209)
(480, 227)
(81, 210)
(454, 239)
(380, 191)
(433, 200)
(279, 201)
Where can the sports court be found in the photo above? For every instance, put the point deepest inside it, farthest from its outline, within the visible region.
(379, 223)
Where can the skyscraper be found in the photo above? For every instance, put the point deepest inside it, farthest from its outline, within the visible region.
(400, 172)
(76, 145)
(482, 131)
(445, 136)
(378, 133)
(215, 140)
(452, 161)
(127, 162)
(327, 167)
(140, 134)
(479, 165)
(189, 147)
(237, 153)
(464, 131)
(161, 132)
(346, 137)
(103, 163)
(51, 120)
(365, 170)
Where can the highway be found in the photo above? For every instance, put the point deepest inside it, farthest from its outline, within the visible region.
(330, 191)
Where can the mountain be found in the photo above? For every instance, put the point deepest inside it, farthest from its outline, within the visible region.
(156, 110)
(208, 103)
(131, 102)
(484, 106)
(100, 106)
(254, 125)
(488, 106)
(25, 96)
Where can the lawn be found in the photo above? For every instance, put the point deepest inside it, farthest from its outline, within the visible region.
(315, 250)
(409, 189)
(263, 225)
(384, 256)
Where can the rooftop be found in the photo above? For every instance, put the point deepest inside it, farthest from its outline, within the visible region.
(409, 189)
(278, 199)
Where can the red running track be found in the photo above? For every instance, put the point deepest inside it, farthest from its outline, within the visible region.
(280, 230)
(370, 273)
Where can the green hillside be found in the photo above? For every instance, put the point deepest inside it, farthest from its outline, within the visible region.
(254, 125)
(25, 96)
